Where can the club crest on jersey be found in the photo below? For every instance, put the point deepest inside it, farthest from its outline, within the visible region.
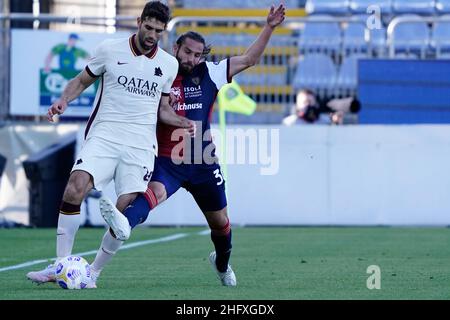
(175, 97)
(196, 81)
(158, 72)
(176, 92)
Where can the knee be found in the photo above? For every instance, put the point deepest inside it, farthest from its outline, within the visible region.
(78, 185)
(74, 192)
(125, 200)
(158, 190)
(218, 220)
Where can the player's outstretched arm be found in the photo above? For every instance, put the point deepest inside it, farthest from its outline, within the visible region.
(256, 49)
(73, 89)
(168, 116)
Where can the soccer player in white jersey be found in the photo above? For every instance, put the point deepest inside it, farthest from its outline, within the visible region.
(179, 165)
(120, 138)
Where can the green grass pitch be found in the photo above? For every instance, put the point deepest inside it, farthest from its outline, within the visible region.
(278, 263)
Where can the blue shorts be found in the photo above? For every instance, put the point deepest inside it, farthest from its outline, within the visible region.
(205, 182)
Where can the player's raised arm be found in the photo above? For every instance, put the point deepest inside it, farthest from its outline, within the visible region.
(73, 89)
(168, 116)
(254, 52)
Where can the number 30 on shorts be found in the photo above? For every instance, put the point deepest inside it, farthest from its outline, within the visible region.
(218, 175)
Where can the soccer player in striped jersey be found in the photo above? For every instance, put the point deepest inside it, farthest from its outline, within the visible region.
(193, 95)
(120, 138)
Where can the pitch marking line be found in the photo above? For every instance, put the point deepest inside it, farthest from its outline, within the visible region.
(124, 247)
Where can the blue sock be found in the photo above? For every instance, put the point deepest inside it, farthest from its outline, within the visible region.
(137, 212)
(222, 244)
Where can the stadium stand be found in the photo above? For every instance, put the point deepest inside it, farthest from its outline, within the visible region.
(338, 7)
(412, 37)
(316, 71)
(440, 38)
(413, 6)
(361, 6)
(443, 6)
(320, 36)
(236, 4)
(354, 38)
(347, 79)
(377, 41)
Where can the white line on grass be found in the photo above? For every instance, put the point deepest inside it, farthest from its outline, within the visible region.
(88, 253)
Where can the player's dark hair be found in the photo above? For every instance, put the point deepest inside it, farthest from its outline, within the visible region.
(196, 37)
(157, 10)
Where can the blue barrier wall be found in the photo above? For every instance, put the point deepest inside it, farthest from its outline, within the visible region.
(404, 91)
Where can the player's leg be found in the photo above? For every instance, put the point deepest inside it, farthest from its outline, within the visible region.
(165, 181)
(211, 198)
(221, 237)
(129, 206)
(79, 184)
(110, 243)
(90, 169)
(131, 177)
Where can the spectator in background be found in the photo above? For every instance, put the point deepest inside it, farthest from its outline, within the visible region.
(307, 110)
(311, 110)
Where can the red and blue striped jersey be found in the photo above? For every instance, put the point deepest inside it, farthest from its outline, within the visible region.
(195, 95)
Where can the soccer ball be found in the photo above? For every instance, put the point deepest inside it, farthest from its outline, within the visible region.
(73, 272)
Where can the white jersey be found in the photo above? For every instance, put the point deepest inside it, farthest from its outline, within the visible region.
(131, 84)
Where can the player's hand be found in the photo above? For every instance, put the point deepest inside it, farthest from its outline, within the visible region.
(276, 16)
(56, 108)
(172, 100)
(190, 127)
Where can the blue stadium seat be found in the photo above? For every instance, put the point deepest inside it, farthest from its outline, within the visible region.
(360, 6)
(443, 6)
(354, 39)
(348, 72)
(327, 6)
(445, 56)
(412, 36)
(315, 71)
(440, 37)
(378, 41)
(236, 4)
(406, 56)
(320, 36)
(414, 6)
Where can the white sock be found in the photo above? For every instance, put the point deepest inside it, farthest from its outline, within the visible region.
(107, 250)
(65, 234)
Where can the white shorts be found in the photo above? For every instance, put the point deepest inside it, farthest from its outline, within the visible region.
(130, 168)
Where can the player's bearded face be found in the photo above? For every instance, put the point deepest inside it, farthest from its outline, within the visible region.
(185, 67)
(189, 55)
